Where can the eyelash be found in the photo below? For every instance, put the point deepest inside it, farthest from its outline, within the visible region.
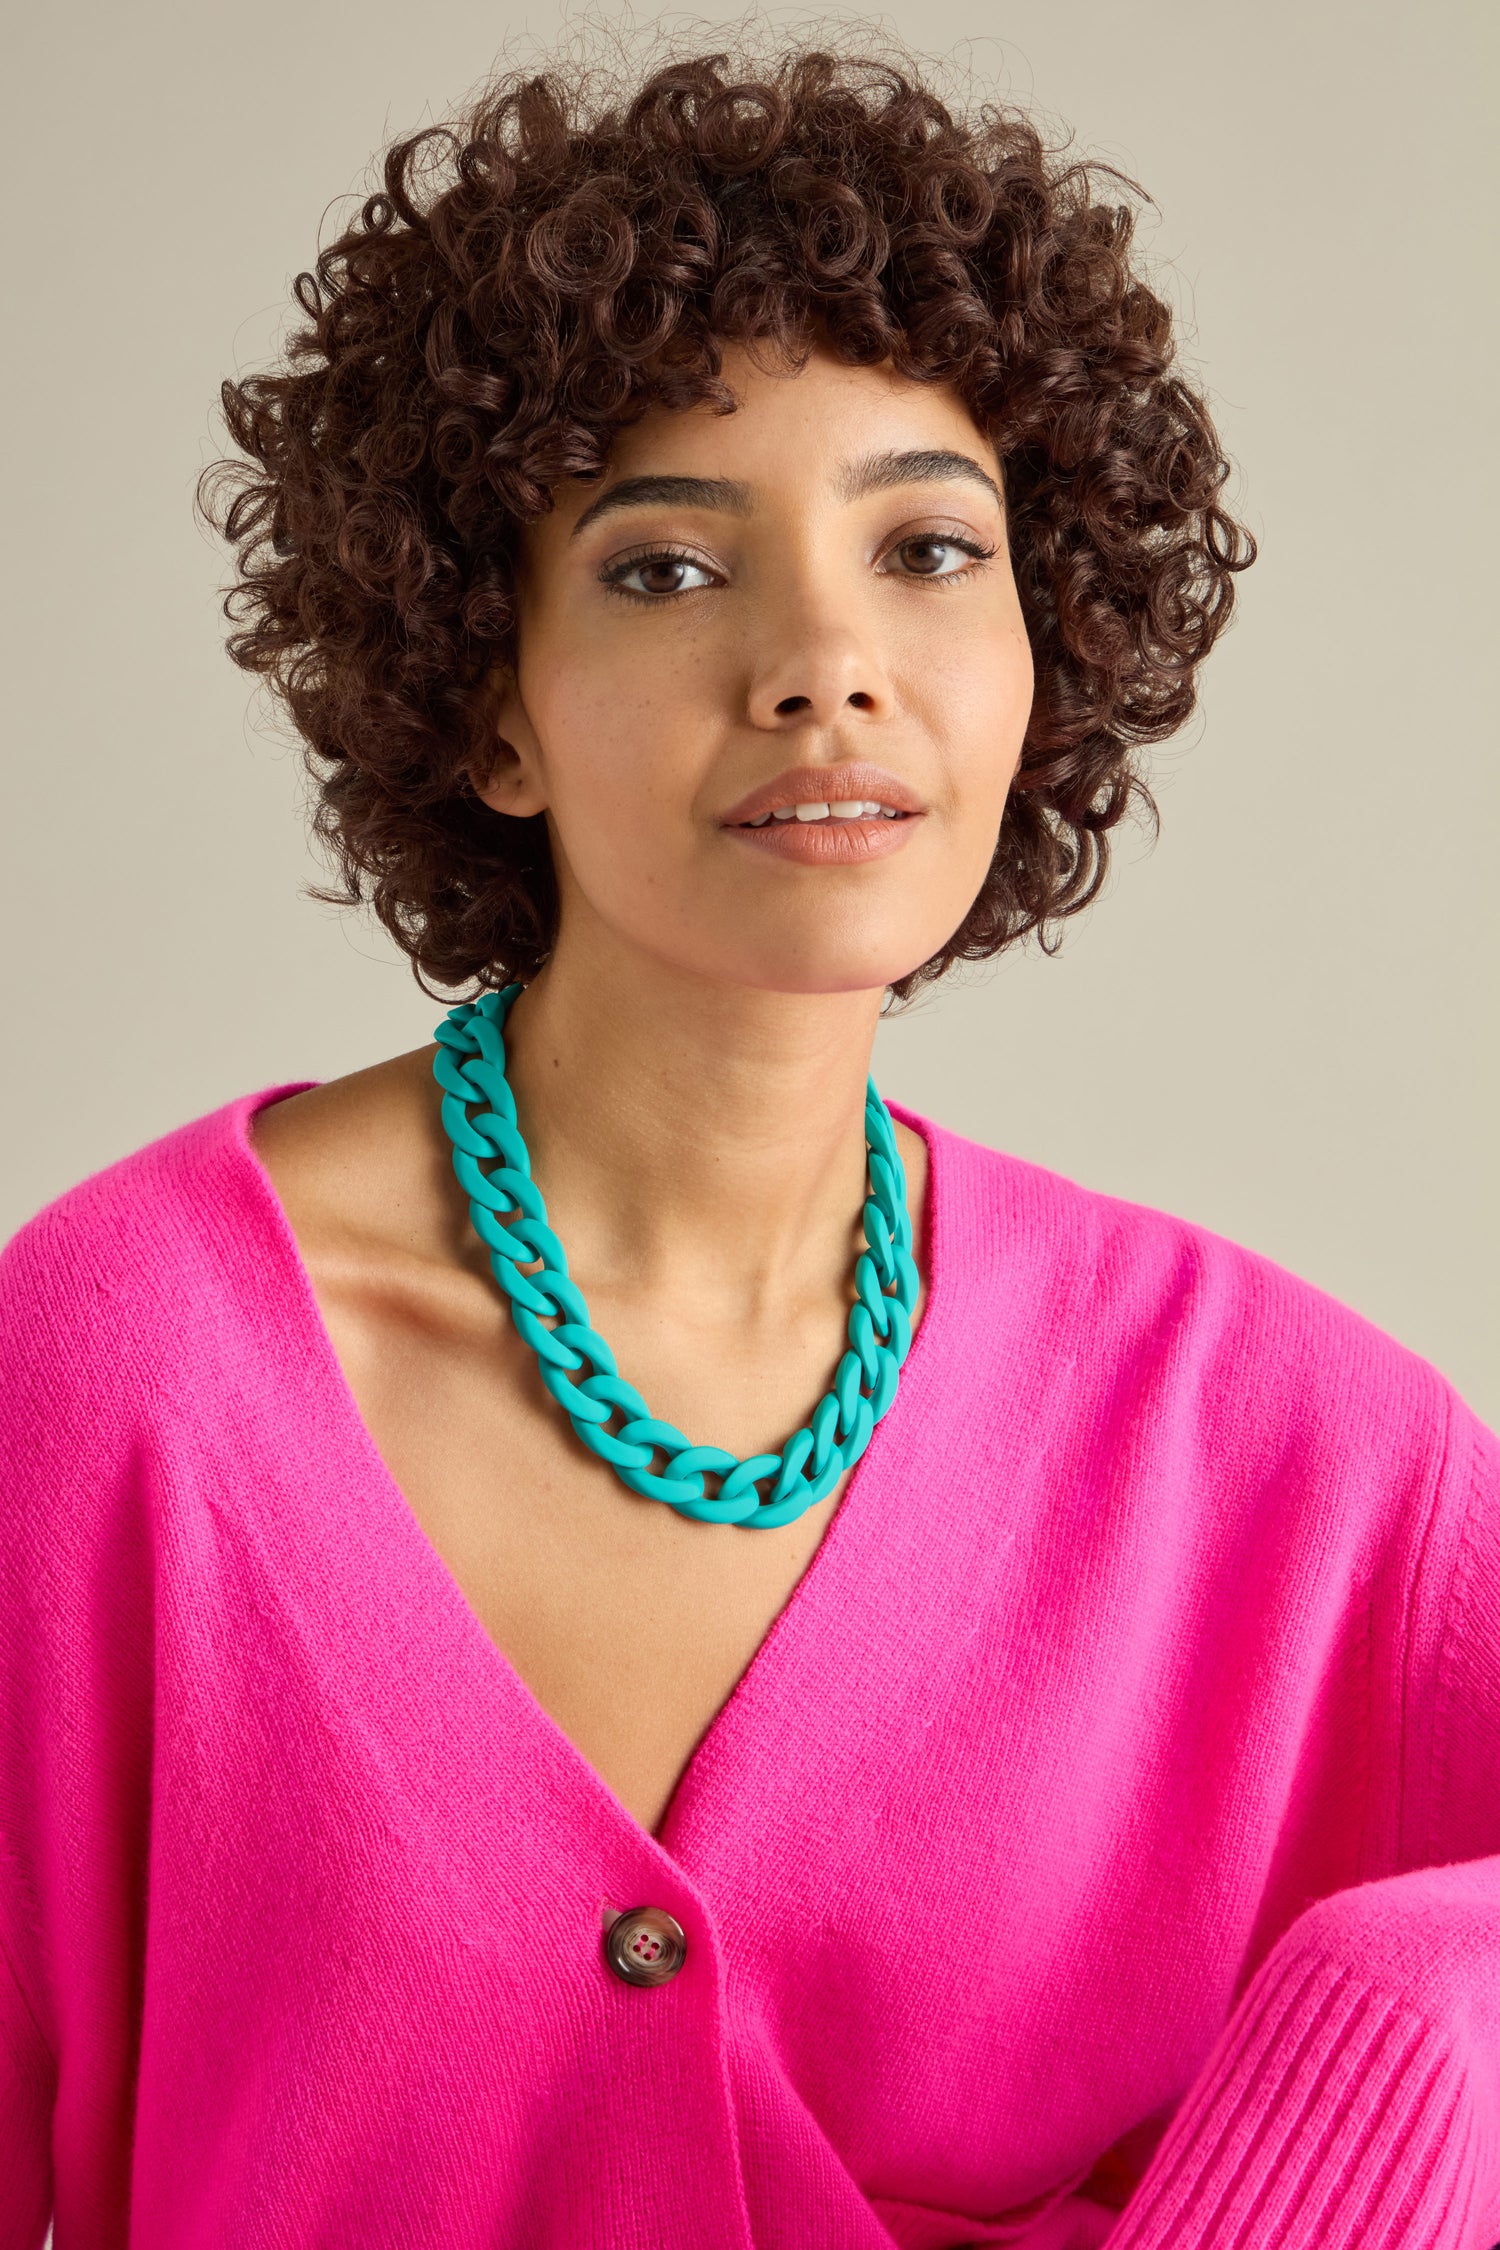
(614, 572)
(974, 548)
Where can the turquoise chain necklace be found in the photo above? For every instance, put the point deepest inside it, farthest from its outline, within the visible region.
(479, 1116)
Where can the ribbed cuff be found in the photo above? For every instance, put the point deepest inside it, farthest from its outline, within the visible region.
(1328, 2117)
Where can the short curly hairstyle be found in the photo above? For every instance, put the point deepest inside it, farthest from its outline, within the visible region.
(532, 276)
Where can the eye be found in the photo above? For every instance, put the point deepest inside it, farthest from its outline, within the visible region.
(656, 574)
(933, 554)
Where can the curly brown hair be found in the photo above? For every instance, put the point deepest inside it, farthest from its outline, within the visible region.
(533, 276)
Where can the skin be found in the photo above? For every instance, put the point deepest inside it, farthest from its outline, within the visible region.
(689, 1067)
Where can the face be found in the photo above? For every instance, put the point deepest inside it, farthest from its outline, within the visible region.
(772, 682)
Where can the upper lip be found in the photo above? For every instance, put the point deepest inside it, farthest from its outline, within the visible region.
(813, 785)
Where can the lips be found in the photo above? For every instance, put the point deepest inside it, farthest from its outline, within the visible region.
(827, 843)
(851, 783)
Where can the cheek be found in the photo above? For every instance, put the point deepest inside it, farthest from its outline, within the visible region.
(977, 691)
(622, 748)
(626, 720)
(1014, 689)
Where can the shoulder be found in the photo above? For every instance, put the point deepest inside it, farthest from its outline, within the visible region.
(1161, 1314)
(360, 1165)
(112, 1288)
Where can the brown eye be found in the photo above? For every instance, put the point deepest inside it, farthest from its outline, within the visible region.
(663, 575)
(933, 554)
(657, 575)
(926, 558)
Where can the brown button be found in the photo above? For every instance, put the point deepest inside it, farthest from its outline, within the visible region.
(645, 1946)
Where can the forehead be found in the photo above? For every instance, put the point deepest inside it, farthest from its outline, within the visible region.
(804, 428)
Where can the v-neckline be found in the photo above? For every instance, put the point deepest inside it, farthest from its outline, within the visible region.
(840, 1536)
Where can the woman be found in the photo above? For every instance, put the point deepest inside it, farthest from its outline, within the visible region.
(606, 1644)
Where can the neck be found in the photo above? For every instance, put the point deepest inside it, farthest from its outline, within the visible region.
(691, 1136)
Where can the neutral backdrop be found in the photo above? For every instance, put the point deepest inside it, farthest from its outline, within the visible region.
(1279, 1021)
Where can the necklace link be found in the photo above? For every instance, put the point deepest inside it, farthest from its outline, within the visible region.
(510, 1218)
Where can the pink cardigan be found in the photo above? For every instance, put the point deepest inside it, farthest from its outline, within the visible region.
(1104, 1842)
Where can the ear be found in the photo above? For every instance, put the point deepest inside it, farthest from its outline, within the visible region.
(514, 782)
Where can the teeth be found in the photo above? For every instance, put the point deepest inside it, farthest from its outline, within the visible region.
(847, 808)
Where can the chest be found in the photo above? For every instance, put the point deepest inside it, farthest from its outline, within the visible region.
(629, 1624)
(940, 1855)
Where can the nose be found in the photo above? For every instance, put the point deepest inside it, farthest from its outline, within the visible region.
(818, 669)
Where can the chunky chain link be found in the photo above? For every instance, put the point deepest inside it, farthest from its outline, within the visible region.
(651, 1456)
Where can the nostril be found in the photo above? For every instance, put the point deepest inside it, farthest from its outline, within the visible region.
(791, 703)
(861, 701)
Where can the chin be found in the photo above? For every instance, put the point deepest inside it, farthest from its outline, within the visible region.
(870, 971)
(818, 954)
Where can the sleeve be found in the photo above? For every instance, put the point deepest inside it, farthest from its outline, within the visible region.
(1352, 2101)
(27, 2085)
(75, 1727)
(28, 2064)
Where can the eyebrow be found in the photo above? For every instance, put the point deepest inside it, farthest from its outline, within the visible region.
(672, 492)
(876, 473)
(879, 471)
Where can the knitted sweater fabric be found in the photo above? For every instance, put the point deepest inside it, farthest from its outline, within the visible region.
(1102, 1845)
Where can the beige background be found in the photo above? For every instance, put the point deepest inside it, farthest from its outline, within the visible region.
(1280, 1022)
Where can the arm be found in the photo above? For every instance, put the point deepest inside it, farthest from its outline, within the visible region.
(1352, 2101)
(28, 2082)
(28, 2065)
(75, 1732)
